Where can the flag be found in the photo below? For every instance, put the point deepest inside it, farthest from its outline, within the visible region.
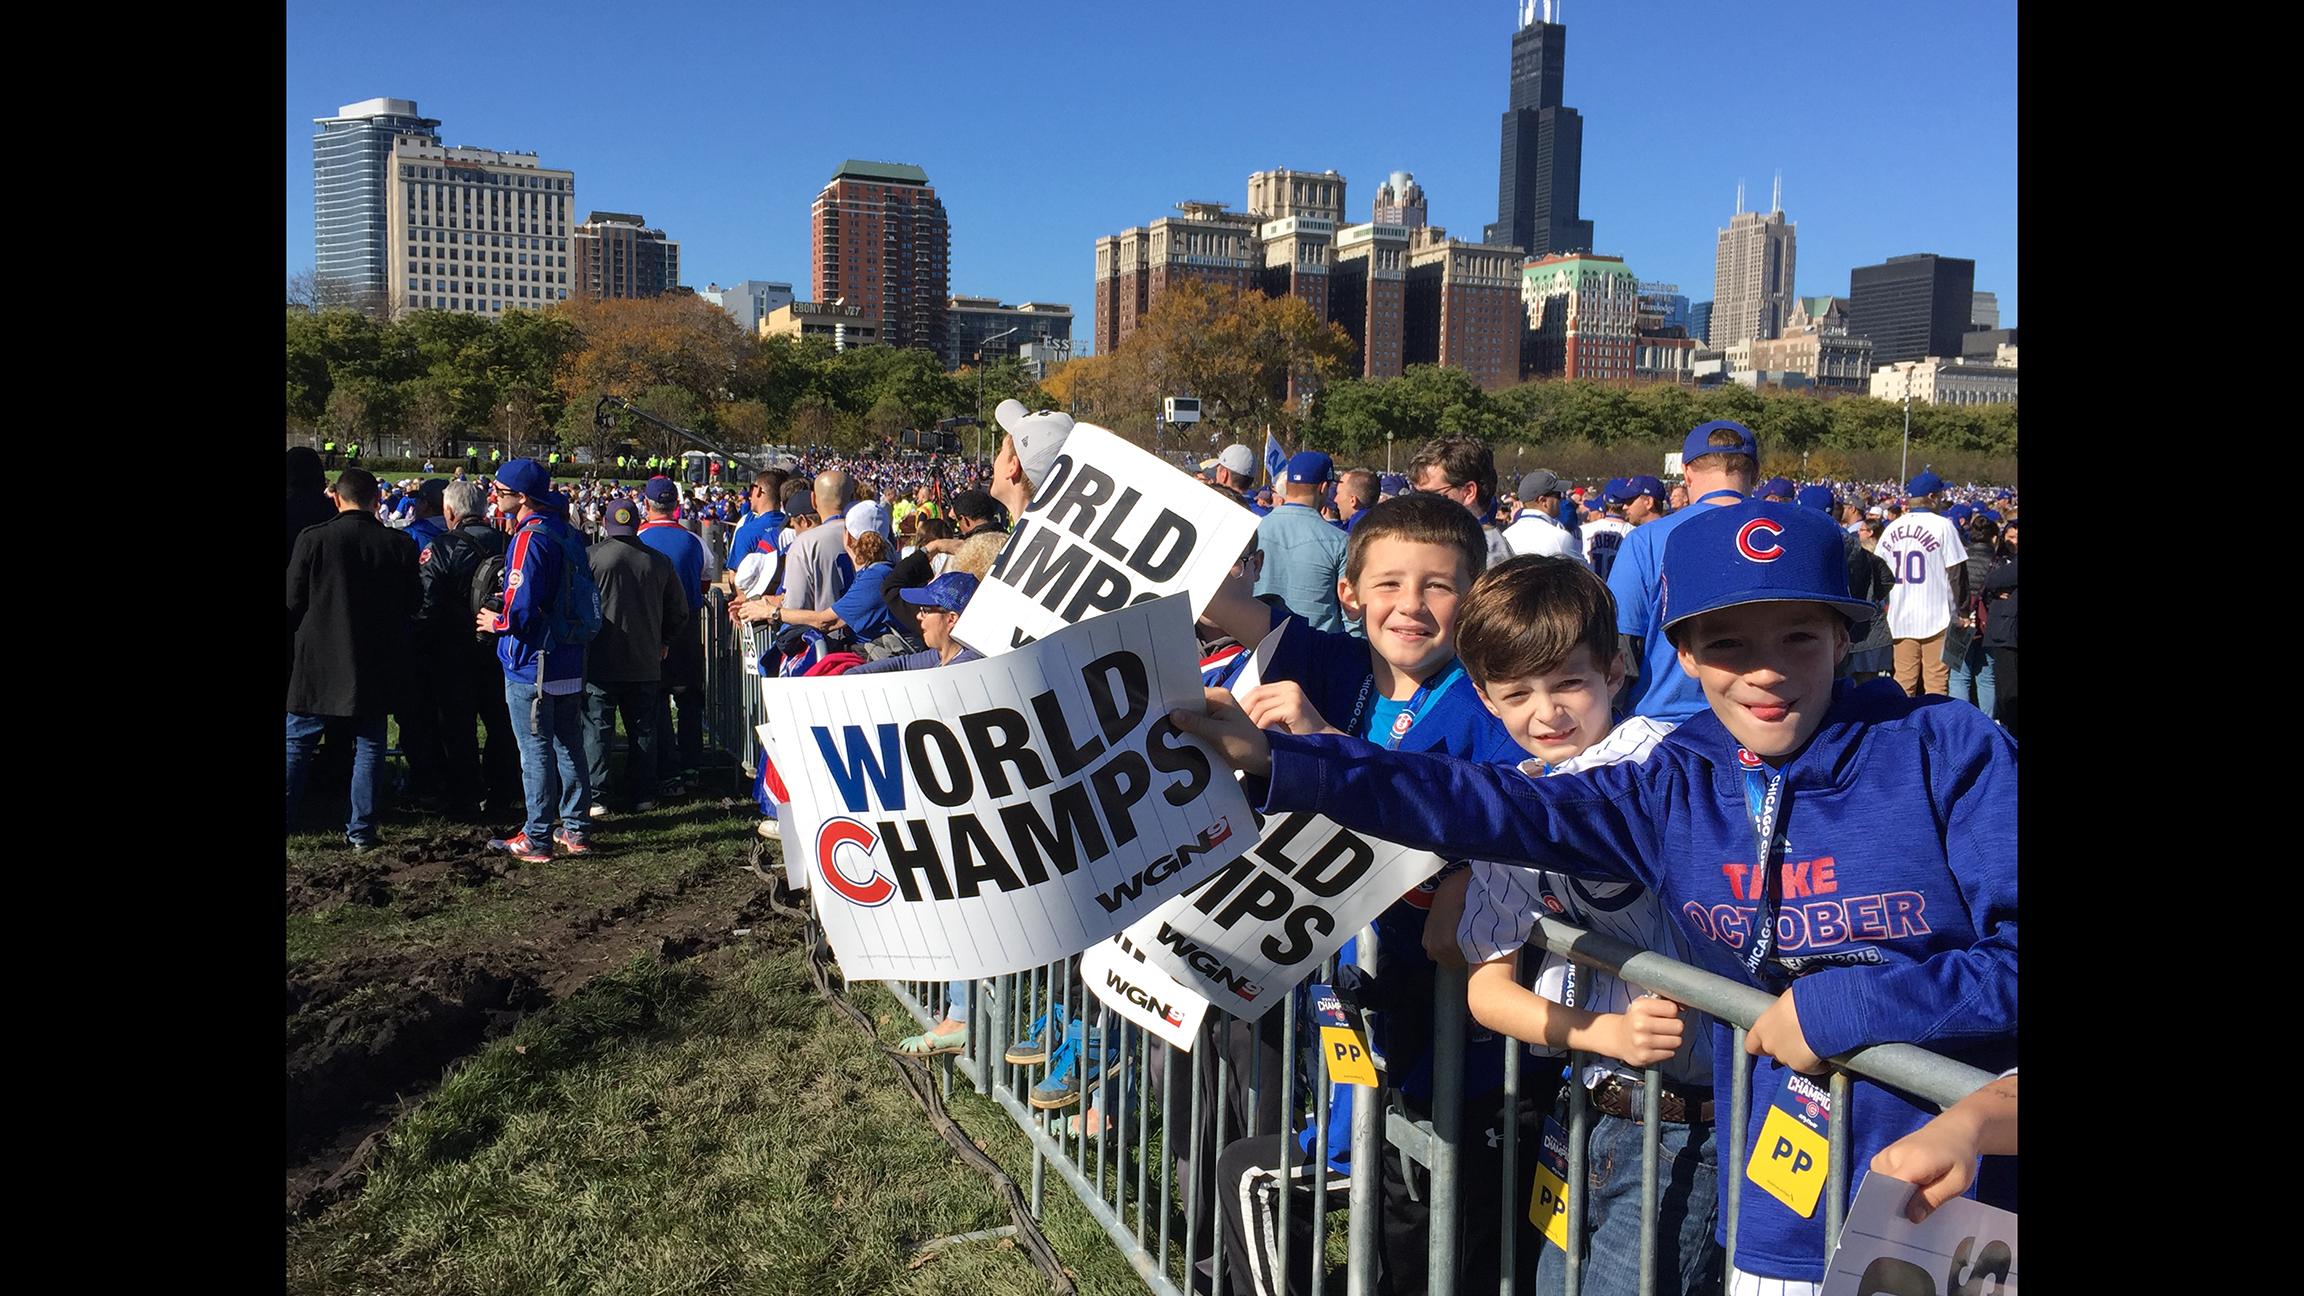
(1275, 460)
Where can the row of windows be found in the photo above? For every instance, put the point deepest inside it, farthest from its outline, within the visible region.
(486, 303)
(493, 240)
(416, 268)
(464, 175)
(496, 258)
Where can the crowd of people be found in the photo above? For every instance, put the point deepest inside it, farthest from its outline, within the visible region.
(1763, 727)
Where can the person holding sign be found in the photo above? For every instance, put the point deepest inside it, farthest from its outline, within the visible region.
(1939, 1158)
(1846, 848)
(1538, 637)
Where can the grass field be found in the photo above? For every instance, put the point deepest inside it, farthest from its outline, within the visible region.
(637, 1098)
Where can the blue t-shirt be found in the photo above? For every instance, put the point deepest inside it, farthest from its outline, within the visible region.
(1663, 691)
(860, 607)
(686, 551)
(755, 534)
(424, 531)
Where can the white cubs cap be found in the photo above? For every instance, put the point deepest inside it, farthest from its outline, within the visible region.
(1039, 436)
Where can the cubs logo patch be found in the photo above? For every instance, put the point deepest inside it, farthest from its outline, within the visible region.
(513, 578)
(1401, 723)
(1756, 540)
(1745, 758)
(424, 555)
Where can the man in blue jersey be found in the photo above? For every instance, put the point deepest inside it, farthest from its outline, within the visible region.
(763, 520)
(1721, 460)
(544, 691)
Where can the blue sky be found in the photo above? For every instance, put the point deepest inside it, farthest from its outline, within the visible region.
(1043, 127)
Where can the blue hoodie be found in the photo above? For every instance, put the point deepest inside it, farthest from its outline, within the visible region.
(531, 581)
(1887, 939)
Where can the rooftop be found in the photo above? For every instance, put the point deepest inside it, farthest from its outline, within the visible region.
(901, 173)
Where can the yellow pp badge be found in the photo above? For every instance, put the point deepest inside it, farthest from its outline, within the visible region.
(1789, 1159)
(1346, 1052)
(1548, 1205)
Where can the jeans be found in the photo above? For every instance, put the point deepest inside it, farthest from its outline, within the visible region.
(1687, 1207)
(683, 679)
(956, 1001)
(550, 730)
(639, 704)
(1975, 667)
(367, 734)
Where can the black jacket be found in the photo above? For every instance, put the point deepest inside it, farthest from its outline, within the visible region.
(2000, 606)
(1869, 579)
(641, 610)
(447, 567)
(352, 594)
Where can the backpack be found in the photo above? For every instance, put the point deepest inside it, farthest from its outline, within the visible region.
(574, 618)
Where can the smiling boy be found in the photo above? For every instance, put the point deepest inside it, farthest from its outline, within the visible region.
(1802, 832)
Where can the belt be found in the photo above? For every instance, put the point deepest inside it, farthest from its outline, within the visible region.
(1624, 1098)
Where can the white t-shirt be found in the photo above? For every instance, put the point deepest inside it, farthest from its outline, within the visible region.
(1534, 533)
(1920, 549)
(1505, 900)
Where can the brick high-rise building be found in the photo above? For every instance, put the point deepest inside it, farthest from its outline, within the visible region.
(1540, 163)
(1752, 276)
(1400, 201)
(1462, 307)
(1367, 294)
(617, 255)
(1135, 267)
(879, 239)
(476, 231)
(1583, 316)
(352, 182)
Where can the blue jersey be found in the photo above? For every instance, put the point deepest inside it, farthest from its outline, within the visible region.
(1880, 935)
(531, 581)
(1664, 691)
(755, 534)
(424, 531)
(686, 551)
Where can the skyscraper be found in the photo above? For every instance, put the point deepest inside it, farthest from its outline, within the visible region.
(1400, 201)
(474, 230)
(1752, 275)
(1912, 306)
(351, 183)
(1541, 161)
(879, 239)
(616, 255)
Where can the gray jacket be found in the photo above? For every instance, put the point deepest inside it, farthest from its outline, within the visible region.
(641, 611)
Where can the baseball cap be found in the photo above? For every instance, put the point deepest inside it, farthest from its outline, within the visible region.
(1239, 459)
(867, 515)
(1310, 466)
(801, 502)
(1393, 484)
(661, 490)
(1699, 441)
(1877, 511)
(1039, 436)
(1818, 498)
(974, 504)
(1619, 490)
(1959, 514)
(1777, 486)
(1992, 514)
(1643, 484)
(1543, 481)
(1208, 466)
(620, 518)
(1927, 483)
(950, 591)
(1760, 551)
(2005, 495)
(526, 477)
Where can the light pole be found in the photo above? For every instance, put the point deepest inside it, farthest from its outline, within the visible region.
(1387, 454)
(980, 386)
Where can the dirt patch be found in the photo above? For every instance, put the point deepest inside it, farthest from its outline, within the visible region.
(421, 873)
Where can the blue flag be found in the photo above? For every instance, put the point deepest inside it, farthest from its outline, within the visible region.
(1275, 460)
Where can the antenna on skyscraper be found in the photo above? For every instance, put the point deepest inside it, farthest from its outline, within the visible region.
(1776, 200)
(1739, 196)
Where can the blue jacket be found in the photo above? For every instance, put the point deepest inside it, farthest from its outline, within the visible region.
(531, 582)
(1887, 938)
(755, 534)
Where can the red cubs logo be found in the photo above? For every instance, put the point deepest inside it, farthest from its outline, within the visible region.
(1401, 724)
(1745, 758)
(872, 889)
(1756, 540)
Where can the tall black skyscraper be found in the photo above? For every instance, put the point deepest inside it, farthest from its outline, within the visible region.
(1540, 165)
(1912, 306)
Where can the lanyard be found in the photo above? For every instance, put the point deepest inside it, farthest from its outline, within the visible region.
(1764, 797)
(1412, 710)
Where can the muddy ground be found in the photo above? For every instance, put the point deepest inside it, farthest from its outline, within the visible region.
(372, 1031)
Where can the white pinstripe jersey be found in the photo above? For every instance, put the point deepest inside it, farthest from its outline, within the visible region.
(1501, 908)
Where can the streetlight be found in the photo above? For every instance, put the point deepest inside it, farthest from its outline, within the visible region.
(980, 386)
(1387, 454)
(1906, 474)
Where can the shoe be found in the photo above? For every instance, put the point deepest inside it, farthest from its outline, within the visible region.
(1032, 1050)
(598, 811)
(767, 829)
(934, 1044)
(674, 788)
(570, 842)
(1079, 1062)
(643, 807)
(521, 848)
(360, 847)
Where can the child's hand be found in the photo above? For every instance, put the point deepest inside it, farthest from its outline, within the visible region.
(1937, 1159)
(1282, 705)
(1777, 1034)
(1650, 1031)
(1229, 730)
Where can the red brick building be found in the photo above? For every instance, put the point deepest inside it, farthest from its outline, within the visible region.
(879, 239)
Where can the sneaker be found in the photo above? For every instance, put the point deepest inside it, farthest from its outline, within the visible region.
(1032, 1050)
(643, 807)
(767, 828)
(521, 849)
(598, 811)
(360, 846)
(1079, 1062)
(570, 842)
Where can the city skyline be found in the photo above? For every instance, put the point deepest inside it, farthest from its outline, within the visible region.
(1046, 161)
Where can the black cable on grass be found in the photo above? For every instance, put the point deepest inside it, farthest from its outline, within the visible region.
(914, 1074)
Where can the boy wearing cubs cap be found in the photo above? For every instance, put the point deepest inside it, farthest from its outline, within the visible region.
(1845, 848)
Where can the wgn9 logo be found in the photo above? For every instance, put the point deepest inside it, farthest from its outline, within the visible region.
(864, 886)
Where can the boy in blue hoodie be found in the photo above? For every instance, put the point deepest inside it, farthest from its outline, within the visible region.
(1803, 832)
(543, 691)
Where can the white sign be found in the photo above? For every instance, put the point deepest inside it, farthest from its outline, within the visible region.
(987, 817)
(1964, 1247)
(1118, 974)
(1112, 526)
(1248, 934)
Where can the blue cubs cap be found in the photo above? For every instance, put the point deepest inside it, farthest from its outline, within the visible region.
(525, 477)
(950, 591)
(1644, 485)
(661, 490)
(2005, 495)
(1992, 514)
(1311, 466)
(621, 518)
(1818, 498)
(1959, 514)
(1699, 441)
(1759, 551)
(1927, 483)
(1393, 484)
(1777, 486)
(1619, 490)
